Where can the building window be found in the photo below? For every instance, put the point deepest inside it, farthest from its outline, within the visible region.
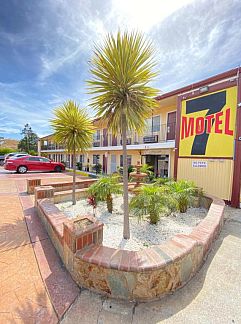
(97, 135)
(96, 159)
(81, 158)
(156, 124)
(128, 160)
(153, 124)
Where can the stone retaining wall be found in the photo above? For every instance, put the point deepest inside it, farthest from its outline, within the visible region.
(144, 275)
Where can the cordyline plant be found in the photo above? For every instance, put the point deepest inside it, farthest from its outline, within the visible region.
(74, 129)
(92, 201)
(121, 69)
(104, 188)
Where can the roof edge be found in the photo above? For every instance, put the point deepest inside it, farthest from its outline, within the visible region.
(195, 85)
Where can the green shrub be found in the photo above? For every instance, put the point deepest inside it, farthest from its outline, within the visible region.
(97, 168)
(151, 201)
(79, 166)
(130, 169)
(32, 152)
(5, 150)
(104, 188)
(162, 181)
(183, 192)
(148, 169)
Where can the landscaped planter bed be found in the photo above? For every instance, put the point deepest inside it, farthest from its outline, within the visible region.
(143, 234)
(133, 275)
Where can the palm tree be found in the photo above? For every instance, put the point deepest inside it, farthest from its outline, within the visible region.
(104, 188)
(183, 191)
(153, 201)
(72, 128)
(121, 69)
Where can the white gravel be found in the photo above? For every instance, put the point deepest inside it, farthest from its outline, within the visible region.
(143, 234)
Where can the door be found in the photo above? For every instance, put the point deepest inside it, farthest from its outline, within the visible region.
(33, 163)
(113, 163)
(105, 137)
(45, 164)
(163, 166)
(171, 125)
(114, 140)
(104, 164)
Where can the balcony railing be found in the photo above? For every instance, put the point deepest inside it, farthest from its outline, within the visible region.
(52, 147)
(166, 132)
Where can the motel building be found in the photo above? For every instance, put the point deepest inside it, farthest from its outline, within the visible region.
(193, 134)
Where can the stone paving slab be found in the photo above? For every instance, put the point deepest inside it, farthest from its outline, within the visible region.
(85, 310)
(61, 287)
(23, 297)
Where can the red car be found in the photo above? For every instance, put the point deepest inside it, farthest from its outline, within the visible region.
(33, 163)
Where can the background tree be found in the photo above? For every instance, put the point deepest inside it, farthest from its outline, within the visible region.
(74, 129)
(29, 142)
(122, 68)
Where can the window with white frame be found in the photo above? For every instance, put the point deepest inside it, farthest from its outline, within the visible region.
(96, 158)
(153, 124)
(97, 135)
(128, 160)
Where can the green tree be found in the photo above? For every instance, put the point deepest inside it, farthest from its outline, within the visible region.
(74, 129)
(121, 69)
(29, 142)
(6, 150)
(104, 188)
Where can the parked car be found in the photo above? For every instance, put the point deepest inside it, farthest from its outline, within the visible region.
(16, 154)
(32, 163)
(2, 158)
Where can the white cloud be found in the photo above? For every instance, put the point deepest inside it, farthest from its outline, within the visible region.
(143, 14)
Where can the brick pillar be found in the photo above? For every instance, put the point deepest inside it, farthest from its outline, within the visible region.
(31, 184)
(78, 234)
(43, 192)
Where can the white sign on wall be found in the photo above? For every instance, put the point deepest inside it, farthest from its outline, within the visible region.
(199, 164)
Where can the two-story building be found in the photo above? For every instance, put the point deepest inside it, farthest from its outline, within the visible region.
(194, 133)
(155, 146)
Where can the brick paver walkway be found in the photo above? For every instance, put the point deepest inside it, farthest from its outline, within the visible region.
(34, 285)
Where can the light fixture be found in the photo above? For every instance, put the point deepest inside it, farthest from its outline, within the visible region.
(204, 89)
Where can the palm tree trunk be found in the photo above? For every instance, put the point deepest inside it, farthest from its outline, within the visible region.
(126, 229)
(109, 202)
(74, 176)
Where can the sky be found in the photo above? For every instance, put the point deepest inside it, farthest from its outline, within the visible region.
(45, 47)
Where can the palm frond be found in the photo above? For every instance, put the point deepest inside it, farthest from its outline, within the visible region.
(121, 69)
(72, 127)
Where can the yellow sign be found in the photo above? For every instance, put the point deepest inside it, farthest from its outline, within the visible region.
(208, 124)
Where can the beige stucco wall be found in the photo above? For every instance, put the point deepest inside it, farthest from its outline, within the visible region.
(215, 179)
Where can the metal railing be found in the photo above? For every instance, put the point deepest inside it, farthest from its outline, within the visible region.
(166, 132)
